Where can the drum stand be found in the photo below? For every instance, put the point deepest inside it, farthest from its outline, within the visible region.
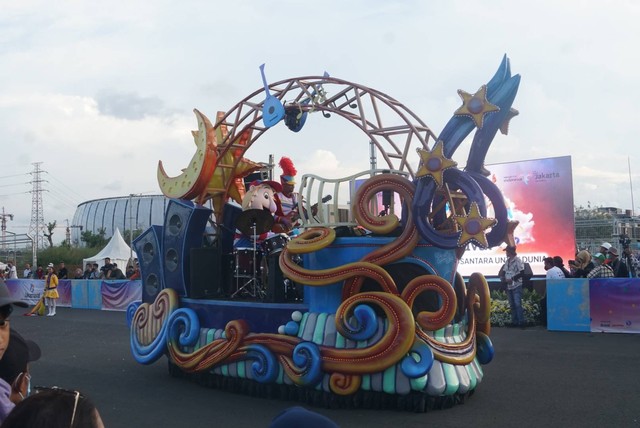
(252, 287)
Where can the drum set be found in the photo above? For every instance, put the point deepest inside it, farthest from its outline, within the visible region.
(256, 268)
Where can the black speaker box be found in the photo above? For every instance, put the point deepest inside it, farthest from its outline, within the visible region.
(148, 248)
(228, 227)
(206, 276)
(276, 290)
(184, 226)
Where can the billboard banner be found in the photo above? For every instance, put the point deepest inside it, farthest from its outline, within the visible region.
(614, 305)
(539, 195)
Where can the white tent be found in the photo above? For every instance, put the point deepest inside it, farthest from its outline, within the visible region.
(117, 250)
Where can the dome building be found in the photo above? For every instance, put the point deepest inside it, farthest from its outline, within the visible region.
(123, 212)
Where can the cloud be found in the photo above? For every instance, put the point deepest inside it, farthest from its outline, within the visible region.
(129, 106)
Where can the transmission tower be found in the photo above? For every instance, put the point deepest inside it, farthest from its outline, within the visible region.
(3, 219)
(37, 227)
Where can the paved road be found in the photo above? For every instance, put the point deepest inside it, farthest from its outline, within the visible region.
(538, 378)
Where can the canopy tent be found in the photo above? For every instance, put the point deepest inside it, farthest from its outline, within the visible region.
(117, 250)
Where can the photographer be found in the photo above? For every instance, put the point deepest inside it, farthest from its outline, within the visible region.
(627, 256)
(619, 268)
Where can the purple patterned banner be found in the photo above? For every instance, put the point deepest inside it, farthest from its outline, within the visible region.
(615, 305)
(117, 295)
(30, 290)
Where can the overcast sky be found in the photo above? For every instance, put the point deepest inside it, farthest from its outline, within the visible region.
(100, 91)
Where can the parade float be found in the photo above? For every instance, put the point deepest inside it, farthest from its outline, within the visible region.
(360, 307)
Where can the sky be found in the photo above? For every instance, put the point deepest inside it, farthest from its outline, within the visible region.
(98, 92)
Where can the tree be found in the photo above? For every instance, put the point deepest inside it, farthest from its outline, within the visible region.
(50, 228)
(94, 240)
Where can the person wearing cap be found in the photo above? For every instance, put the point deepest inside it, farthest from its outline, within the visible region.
(15, 379)
(6, 308)
(553, 271)
(511, 275)
(51, 290)
(604, 249)
(620, 269)
(601, 269)
(559, 263)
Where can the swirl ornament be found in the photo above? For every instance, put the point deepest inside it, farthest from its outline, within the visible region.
(400, 247)
(480, 301)
(131, 311)
(184, 326)
(265, 365)
(344, 384)
(392, 346)
(443, 316)
(149, 327)
(213, 353)
(314, 239)
(424, 197)
(305, 366)
(485, 348)
(414, 367)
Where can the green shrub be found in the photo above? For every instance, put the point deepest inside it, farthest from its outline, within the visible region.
(501, 313)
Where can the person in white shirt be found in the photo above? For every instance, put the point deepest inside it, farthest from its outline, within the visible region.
(13, 273)
(553, 272)
(27, 271)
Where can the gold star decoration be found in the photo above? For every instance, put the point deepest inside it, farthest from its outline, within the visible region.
(434, 163)
(504, 127)
(475, 106)
(473, 227)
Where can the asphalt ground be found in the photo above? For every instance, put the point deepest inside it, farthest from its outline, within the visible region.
(537, 379)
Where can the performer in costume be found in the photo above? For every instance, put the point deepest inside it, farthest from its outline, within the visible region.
(51, 290)
(260, 196)
(286, 200)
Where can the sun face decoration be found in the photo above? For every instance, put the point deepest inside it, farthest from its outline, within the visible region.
(434, 163)
(473, 227)
(475, 106)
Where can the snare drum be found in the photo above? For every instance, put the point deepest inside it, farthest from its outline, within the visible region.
(244, 258)
(275, 244)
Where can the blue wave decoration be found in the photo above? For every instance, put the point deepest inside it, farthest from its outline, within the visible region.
(184, 327)
(148, 354)
(484, 348)
(131, 310)
(363, 325)
(306, 356)
(414, 368)
(265, 366)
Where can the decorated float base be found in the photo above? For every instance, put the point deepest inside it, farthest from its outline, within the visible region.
(418, 402)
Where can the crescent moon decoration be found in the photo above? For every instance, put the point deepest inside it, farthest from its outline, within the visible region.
(226, 181)
(197, 174)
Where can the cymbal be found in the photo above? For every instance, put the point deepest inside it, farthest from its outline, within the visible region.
(263, 220)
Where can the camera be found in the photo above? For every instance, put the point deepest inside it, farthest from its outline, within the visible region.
(625, 241)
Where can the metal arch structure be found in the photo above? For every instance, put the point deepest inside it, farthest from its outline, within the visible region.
(390, 126)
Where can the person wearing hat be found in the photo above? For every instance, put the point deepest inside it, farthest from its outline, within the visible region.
(553, 271)
(604, 249)
(286, 200)
(620, 269)
(601, 269)
(51, 290)
(511, 275)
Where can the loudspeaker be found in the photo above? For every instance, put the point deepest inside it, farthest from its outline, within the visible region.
(275, 282)
(228, 227)
(184, 225)
(206, 278)
(149, 250)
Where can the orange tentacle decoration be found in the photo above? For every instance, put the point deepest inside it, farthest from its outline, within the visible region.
(478, 289)
(443, 316)
(392, 347)
(404, 244)
(343, 384)
(214, 352)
